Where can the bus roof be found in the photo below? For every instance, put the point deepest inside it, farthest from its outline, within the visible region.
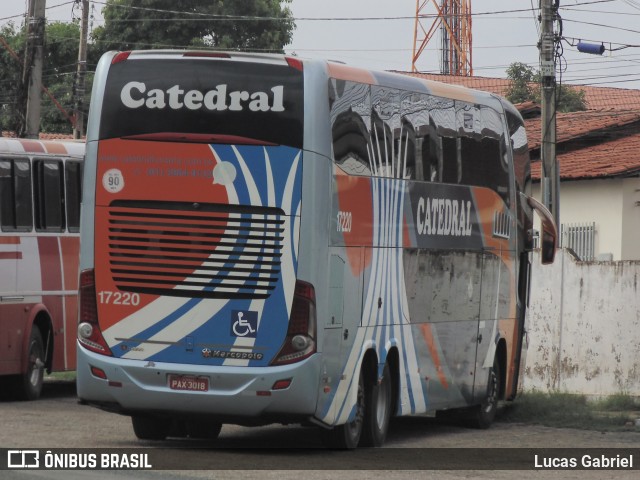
(336, 70)
(74, 148)
(412, 84)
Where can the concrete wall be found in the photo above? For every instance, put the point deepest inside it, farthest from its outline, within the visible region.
(584, 327)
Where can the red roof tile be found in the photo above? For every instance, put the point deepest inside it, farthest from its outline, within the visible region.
(577, 124)
(608, 159)
(56, 136)
(597, 98)
(43, 136)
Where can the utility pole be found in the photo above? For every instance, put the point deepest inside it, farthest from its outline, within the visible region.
(32, 73)
(78, 128)
(550, 170)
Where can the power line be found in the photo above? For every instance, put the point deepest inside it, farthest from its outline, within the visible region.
(500, 13)
(617, 28)
(581, 10)
(22, 15)
(208, 16)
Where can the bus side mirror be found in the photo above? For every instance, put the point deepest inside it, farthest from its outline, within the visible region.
(549, 234)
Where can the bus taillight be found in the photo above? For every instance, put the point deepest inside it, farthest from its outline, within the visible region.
(120, 57)
(206, 54)
(89, 334)
(295, 63)
(300, 342)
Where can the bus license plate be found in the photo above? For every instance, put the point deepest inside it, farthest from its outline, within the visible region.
(188, 383)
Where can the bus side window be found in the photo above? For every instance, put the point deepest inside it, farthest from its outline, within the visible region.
(483, 165)
(73, 188)
(406, 151)
(428, 154)
(350, 110)
(483, 157)
(450, 160)
(350, 144)
(381, 142)
(15, 196)
(49, 195)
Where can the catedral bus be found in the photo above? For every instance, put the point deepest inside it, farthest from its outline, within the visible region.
(40, 191)
(269, 239)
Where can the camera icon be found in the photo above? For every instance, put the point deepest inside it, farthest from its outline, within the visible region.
(23, 459)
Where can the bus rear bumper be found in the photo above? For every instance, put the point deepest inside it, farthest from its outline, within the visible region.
(239, 394)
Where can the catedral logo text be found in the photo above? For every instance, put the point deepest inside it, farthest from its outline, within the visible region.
(444, 217)
(137, 95)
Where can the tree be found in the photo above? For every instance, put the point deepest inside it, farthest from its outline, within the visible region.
(570, 99)
(58, 76)
(525, 84)
(525, 87)
(10, 77)
(264, 25)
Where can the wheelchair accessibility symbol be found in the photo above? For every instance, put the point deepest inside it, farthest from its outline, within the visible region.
(244, 323)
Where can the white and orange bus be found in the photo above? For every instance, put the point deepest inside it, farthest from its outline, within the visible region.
(40, 192)
(270, 239)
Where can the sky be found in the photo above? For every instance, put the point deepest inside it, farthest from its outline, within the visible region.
(379, 34)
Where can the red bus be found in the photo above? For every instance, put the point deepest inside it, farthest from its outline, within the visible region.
(40, 192)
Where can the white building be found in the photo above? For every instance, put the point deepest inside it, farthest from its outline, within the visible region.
(599, 157)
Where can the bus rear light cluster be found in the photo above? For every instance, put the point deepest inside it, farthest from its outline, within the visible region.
(300, 341)
(120, 57)
(204, 54)
(89, 333)
(295, 63)
(98, 372)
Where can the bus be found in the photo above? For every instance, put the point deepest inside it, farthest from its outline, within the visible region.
(271, 239)
(40, 191)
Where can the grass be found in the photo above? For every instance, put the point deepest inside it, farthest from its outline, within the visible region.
(618, 403)
(60, 377)
(615, 413)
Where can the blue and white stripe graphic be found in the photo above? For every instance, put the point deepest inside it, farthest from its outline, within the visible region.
(387, 326)
(266, 177)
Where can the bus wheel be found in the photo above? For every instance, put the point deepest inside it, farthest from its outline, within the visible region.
(30, 383)
(483, 415)
(378, 399)
(149, 428)
(347, 436)
(203, 429)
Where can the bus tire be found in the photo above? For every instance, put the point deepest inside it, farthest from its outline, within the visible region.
(348, 436)
(482, 415)
(29, 385)
(149, 428)
(378, 399)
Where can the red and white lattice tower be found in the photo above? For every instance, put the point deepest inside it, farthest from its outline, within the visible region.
(453, 19)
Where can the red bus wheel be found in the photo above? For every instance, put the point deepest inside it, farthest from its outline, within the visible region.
(30, 382)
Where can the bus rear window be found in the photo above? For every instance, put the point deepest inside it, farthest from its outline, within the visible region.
(49, 195)
(15, 195)
(224, 98)
(73, 183)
